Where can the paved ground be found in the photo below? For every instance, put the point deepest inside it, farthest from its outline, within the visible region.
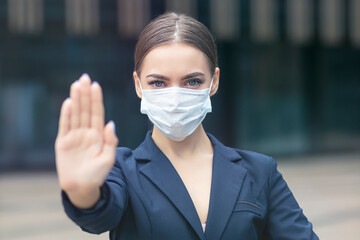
(327, 188)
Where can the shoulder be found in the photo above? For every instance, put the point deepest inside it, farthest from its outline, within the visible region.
(123, 155)
(259, 167)
(256, 161)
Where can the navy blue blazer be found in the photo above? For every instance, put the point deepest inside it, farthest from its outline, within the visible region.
(143, 197)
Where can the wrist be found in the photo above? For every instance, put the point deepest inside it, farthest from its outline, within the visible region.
(84, 199)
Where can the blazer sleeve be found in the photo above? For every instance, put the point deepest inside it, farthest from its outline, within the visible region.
(285, 218)
(108, 211)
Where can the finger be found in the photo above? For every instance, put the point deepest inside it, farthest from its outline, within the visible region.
(85, 100)
(64, 121)
(97, 107)
(75, 105)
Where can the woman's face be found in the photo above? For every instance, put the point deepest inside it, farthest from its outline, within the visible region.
(176, 65)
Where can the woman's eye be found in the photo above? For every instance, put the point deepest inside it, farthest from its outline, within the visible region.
(194, 82)
(157, 84)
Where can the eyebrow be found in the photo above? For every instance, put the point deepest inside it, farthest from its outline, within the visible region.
(158, 76)
(187, 76)
(192, 75)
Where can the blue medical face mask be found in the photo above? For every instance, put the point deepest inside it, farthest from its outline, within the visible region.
(176, 111)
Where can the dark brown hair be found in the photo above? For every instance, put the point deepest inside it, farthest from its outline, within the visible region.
(175, 28)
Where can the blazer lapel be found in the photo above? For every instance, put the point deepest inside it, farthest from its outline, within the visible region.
(160, 171)
(227, 181)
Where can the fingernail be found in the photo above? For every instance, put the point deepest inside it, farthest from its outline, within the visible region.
(85, 75)
(95, 83)
(113, 125)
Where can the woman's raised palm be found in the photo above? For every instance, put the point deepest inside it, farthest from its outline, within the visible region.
(84, 148)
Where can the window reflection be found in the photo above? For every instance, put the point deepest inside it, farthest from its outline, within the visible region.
(25, 16)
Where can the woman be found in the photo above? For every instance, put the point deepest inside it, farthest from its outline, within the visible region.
(180, 183)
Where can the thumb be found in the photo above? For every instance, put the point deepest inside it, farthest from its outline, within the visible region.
(110, 135)
(109, 147)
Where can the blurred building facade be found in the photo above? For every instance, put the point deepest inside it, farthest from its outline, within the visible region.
(290, 71)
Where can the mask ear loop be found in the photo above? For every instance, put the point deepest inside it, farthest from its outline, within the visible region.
(212, 80)
(140, 84)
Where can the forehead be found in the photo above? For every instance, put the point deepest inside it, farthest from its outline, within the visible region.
(176, 58)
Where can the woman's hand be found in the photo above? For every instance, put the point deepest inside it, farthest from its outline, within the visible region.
(84, 147)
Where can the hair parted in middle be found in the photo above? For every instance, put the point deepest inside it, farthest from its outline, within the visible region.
(171, 28)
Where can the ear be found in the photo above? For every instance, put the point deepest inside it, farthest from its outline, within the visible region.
(137, 85)
(215, 84)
